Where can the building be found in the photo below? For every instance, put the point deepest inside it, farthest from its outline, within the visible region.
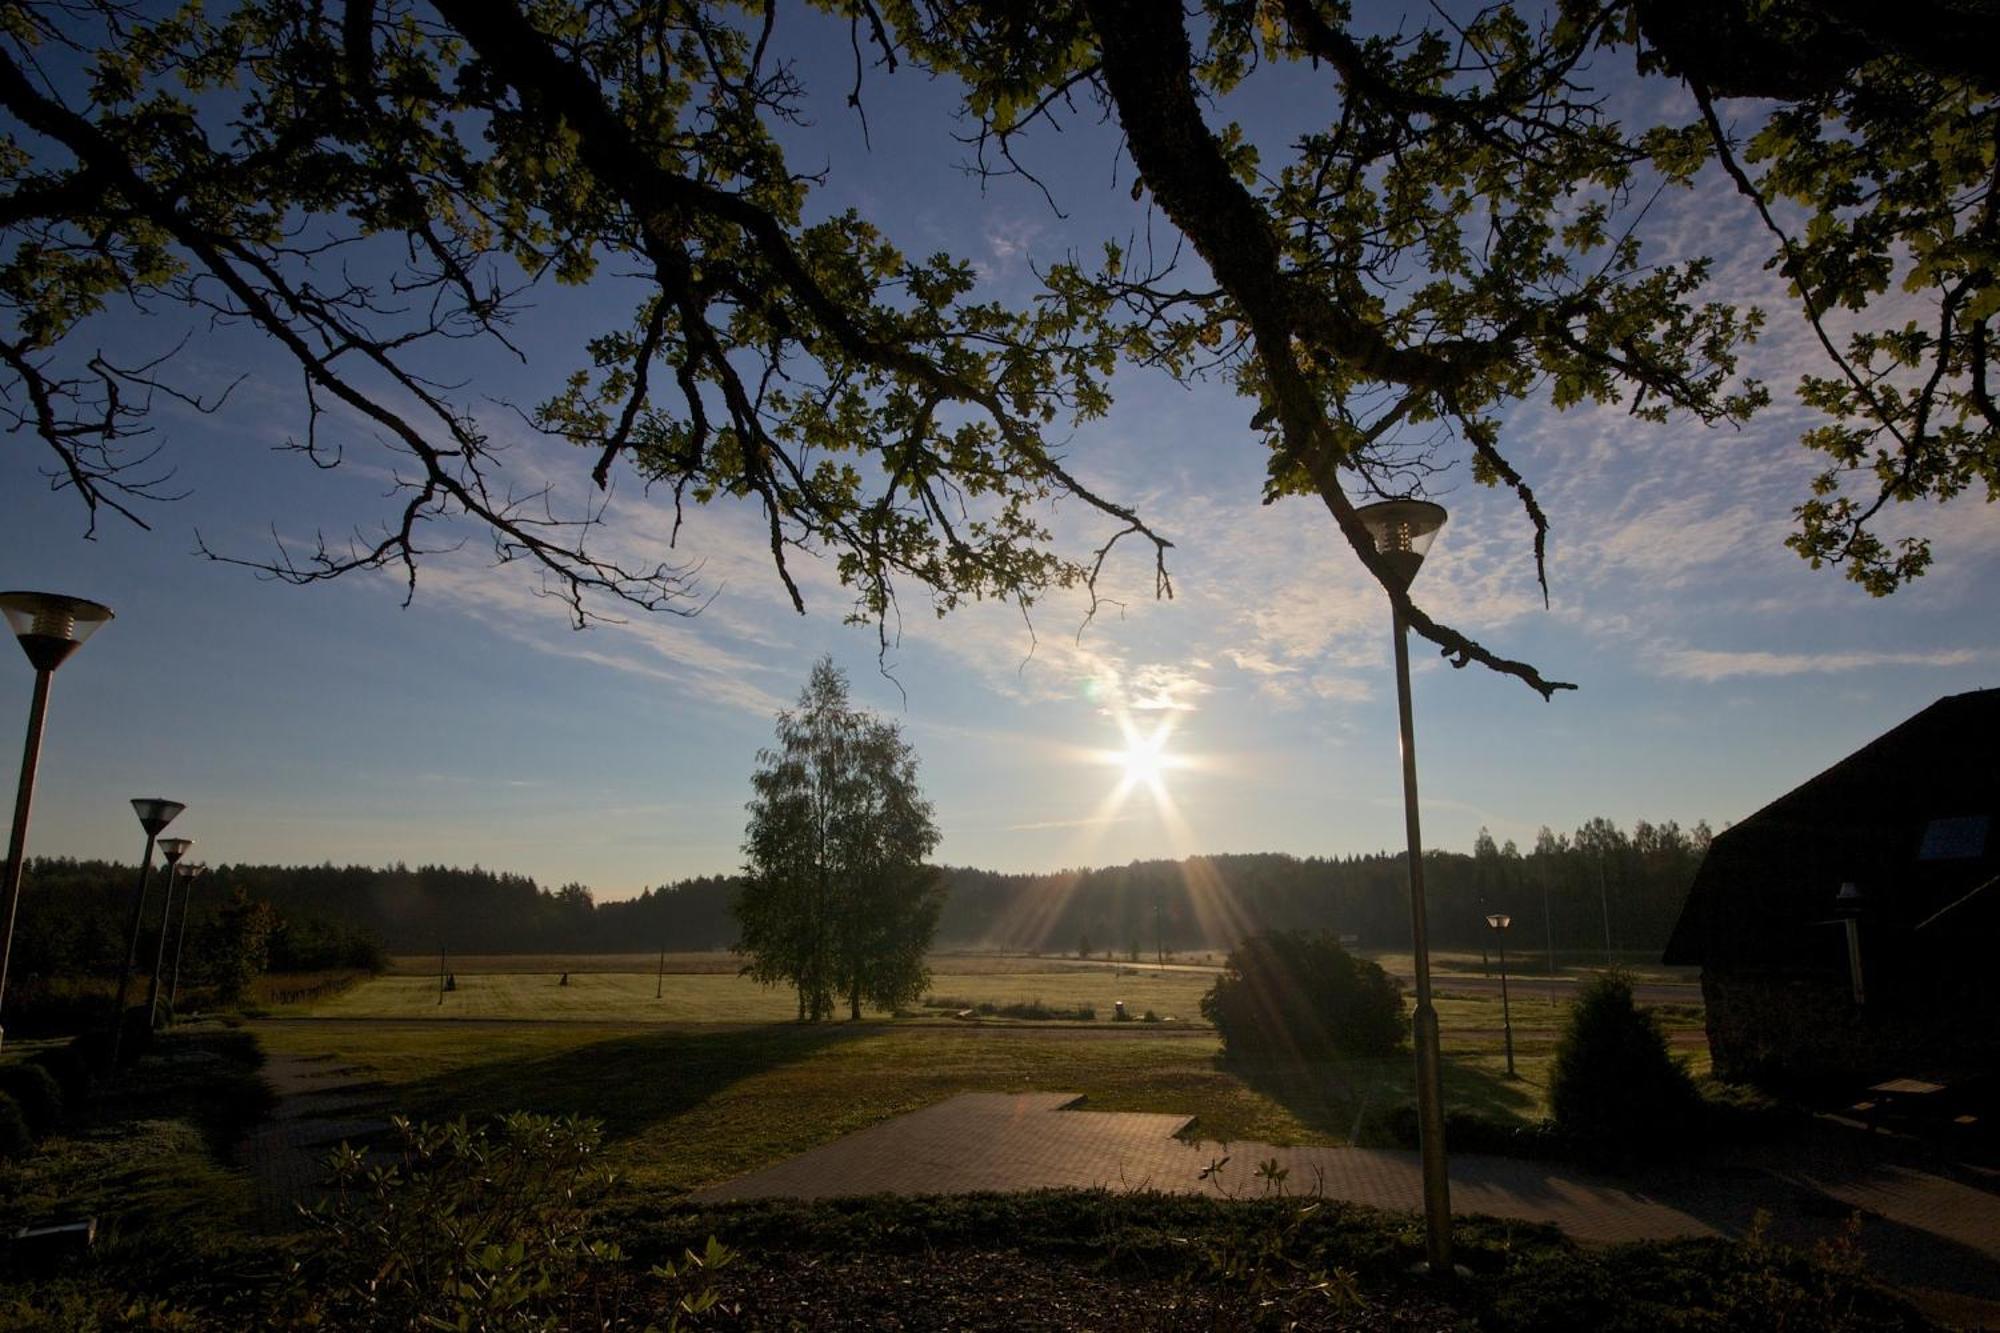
(1852, 926)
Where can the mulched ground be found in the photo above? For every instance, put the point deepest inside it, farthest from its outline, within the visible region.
(975, 1289)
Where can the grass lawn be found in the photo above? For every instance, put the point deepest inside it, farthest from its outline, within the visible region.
(684, 1108)
(692, 997)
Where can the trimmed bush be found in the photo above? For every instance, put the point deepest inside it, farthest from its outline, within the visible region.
(68, 1068)
(36, 1092)
(15, 1141)
(1615, 1090)
(1291, 993)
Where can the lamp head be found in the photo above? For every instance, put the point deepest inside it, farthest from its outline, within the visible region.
(1499, 920)
(155, 813)
(1402, 531)
(175, 848)
(51, 626)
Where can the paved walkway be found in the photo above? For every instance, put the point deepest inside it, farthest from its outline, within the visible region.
(1933, 1229)
(320, 1105)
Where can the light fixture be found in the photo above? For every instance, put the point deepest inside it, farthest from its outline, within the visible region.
(171, 851)
(1499, 921)
(190, 872)
(50, 627)
(155, 813)
(1402, 531)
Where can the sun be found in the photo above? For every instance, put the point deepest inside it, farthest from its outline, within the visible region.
(1145, 758)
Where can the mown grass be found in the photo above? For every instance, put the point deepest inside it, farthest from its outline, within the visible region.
(685, 1108)
(718, 998)
(147, 1157)
(612, 997)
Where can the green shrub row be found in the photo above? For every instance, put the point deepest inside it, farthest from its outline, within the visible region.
(38, 1093)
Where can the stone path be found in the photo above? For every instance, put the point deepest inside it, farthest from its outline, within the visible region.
(320, 1105)
(1928, 1227)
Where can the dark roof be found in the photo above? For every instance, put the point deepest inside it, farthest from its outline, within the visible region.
(1912, 819)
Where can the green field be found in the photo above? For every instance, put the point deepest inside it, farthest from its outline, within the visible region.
(712, 1077)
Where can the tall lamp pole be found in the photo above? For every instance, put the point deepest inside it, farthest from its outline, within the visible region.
(189, 874)
(1499, 921)
(50, 628)
(154, 816)
(171, 851)
(1403, 531)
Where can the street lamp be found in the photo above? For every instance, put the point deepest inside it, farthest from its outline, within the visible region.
(1402, 531)
(171, 851)
(154, 816)
(189, 874)
(50, 628)
(1500, 921)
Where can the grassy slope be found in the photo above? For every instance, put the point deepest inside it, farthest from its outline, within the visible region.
(687, 1108)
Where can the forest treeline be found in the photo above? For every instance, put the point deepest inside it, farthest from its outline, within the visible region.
(1567, 890)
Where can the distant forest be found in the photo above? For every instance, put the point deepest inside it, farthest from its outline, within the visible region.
(74, 913)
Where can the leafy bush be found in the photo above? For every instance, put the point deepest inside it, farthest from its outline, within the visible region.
(1614, 1088)
(1467, 1132)
(1291, 993)
(1701, 1284)
(68, 1069)
(35, 1090)
(15, 1140)
(475, 1228)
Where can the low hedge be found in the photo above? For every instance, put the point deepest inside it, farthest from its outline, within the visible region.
(35, 1092)
(15, 1140)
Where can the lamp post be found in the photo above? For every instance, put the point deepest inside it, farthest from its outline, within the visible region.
(1500, 921)
(660, 977)
(1403, 531)
(171, 851)
(50, 628)
(189, 874)
(154, 816)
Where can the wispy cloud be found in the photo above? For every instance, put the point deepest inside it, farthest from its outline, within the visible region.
(1711, 664)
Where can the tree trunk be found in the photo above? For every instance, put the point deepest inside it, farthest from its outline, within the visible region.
(854, 1003)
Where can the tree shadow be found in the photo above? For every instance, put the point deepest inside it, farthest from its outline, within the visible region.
(1351, 1099)
(629, 1082)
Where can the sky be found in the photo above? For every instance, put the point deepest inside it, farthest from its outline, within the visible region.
(474, 726)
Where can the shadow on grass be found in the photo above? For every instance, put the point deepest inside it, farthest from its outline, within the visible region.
(1348, 1099)
(627, 1082)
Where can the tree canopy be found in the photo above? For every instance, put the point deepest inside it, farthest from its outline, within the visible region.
(374, 185)
(837, 900)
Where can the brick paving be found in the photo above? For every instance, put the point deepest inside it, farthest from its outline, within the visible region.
(1933, 1228)
(320, 1106)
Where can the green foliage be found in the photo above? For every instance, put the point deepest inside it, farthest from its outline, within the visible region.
(1713, 1286)
(1295, 994)
(71, 1072)
(1614, 1088)
(243, 945)
(1455, 228)
(15, 1138)
(484, 1228)
(35, 1090)
(838, 902)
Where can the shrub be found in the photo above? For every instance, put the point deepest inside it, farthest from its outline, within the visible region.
(15, 1141)
(1288, 992)
(475, 1228)
(35, 1090)
(1614, 1088)
(70, 1071)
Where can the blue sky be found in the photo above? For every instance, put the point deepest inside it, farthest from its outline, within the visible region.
(329, 723)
